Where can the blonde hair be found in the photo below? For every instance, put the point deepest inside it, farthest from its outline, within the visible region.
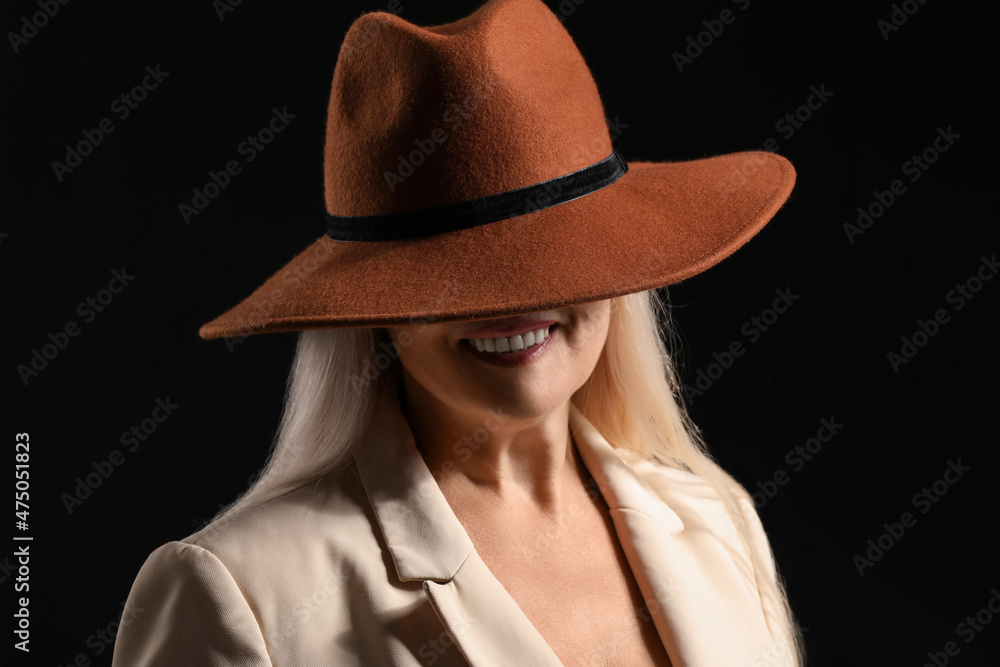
(632, 398)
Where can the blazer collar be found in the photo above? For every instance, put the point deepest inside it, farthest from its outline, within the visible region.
(425, 538)
(694, 584)
(428, 543)
(618, 481)
(685, 556)
(423, 535)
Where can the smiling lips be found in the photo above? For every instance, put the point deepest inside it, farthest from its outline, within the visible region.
(512, 344)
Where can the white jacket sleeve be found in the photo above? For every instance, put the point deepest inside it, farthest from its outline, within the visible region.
(185, 608)
(758, 540)
(767, 586)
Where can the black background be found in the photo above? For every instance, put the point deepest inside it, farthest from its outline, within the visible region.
(826, 357)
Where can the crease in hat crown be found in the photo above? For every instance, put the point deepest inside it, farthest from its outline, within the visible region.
(422, 117)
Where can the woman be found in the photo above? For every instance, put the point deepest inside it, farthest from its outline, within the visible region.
(482, 459)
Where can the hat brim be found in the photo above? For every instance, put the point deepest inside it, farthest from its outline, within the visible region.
(660, 223)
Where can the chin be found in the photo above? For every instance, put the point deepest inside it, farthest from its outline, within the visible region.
(525, 402)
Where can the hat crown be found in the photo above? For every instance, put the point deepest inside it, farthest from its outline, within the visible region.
(426, 117)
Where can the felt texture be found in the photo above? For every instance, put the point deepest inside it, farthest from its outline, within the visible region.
(499, 100)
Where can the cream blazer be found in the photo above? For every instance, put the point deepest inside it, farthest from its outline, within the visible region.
(373, 568)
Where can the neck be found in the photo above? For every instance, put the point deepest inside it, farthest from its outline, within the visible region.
(503, 458)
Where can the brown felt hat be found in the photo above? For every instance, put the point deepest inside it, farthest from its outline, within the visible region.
(470, 174)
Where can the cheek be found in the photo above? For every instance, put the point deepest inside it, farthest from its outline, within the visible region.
(591, 331)
(584, 346)
(590, 349)
(428, 359)
(414, 349)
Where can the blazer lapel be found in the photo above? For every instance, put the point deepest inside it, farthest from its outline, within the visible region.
(485, 622)
(429, 544)
(693, 575)
(691, 572)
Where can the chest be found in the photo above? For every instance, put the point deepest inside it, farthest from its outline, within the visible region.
(572, 580)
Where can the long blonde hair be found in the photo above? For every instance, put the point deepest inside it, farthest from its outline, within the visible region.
(632, 397)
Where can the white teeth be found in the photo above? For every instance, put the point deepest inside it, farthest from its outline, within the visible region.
(511, 343)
